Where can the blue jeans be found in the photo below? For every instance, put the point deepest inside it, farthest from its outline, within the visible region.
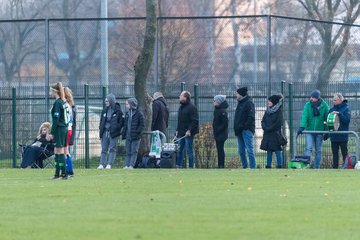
(311, 139)
(246, 143)
(278, 158)
(186, 143)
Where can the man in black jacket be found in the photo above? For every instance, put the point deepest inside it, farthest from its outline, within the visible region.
(111, 123)
(244, 127)
(188, 125)
(160, 113)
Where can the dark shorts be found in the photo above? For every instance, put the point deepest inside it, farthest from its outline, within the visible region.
(60, 137)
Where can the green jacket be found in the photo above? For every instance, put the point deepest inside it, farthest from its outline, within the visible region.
(314, 123)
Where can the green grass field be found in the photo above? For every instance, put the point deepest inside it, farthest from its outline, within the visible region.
(180, 204)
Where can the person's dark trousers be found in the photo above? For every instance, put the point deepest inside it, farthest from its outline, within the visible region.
(335, 151)
(31, 154)
(220, 153)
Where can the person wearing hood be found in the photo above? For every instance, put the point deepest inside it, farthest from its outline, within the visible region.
(133, 128)
(271, 123)
(111, 123)
(160, 113)
(342, 110)
(220, 127)
(244, 127)
(313, 118)
(187, 127)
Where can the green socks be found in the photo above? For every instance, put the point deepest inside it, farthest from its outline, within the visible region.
(60, 166)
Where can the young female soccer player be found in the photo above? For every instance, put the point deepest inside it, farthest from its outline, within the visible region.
(60, 119)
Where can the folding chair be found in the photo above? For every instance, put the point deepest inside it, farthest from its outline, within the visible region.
(43, 160)
(47, 157)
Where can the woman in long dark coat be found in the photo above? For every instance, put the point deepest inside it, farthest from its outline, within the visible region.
(220, 127)
(271, 124)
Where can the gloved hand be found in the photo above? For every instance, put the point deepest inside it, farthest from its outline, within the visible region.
(300, 130)
(326, 136)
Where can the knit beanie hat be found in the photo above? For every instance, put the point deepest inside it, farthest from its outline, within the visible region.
(242, 91)
(133, 103)
(219, 98)
(275, 99)
(315, 94)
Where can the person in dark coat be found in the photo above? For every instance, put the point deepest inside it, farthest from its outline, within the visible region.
(244, 127)
(271, 123)
(188, 126)
(220, 127)
(160, 113)
(43, 142)
(133, 128)
(111, 123)
(342, 110)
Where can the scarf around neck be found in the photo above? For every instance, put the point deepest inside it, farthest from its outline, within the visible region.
(274, 108)
(315, 107)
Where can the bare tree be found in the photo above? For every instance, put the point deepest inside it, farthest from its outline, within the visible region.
(141, 68)
(178, 55)
(19, 40)
(80, 41)
(335, 38)
(235, 23)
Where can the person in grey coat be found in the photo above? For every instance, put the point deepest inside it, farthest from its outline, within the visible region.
(111, 123)
(133, 128)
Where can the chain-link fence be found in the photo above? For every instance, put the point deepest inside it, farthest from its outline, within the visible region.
(226, 50)
(24, 109)
(218, 53)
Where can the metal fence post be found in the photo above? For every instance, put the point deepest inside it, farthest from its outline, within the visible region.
(104, 94)
(87, 154)
(291, 121)
(182, 86)
(184, 160)
(283, 85)
(269, 53)
(14, 140)
(196, 95)
(47, 66)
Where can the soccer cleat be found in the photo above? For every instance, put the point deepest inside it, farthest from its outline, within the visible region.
(64, 177)
(55, 178)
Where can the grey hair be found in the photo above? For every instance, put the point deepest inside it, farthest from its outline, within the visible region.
(186, 94)
(157, 95)
(340, 96)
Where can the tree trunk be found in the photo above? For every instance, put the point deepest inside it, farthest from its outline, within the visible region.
(162, 77)
(299, 75)
(331, 57)
(141, 68)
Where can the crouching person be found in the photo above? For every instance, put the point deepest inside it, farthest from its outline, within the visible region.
(133, 127)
